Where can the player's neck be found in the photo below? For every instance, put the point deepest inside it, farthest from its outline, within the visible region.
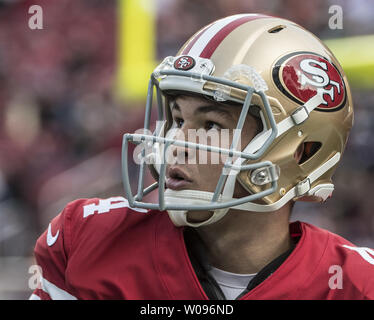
(245, 242)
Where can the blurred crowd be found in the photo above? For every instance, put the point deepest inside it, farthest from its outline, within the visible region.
(61, 128)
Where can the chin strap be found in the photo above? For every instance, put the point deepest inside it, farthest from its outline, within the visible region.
(194, 197)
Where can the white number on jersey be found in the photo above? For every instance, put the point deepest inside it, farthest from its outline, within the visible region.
(105, 205)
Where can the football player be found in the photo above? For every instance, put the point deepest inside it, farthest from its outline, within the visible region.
(220, 229)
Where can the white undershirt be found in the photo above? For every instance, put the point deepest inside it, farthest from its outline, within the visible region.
(232, 284)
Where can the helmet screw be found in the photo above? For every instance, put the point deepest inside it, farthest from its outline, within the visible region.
(260, 177)
(282, 191)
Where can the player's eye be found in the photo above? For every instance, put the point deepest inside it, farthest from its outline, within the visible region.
(178, 122)
(210, 125)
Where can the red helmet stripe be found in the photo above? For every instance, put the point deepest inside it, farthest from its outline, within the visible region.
(187, 49)
(224, 32)
(208, 39)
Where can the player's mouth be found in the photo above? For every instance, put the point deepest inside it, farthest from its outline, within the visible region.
(176, 179)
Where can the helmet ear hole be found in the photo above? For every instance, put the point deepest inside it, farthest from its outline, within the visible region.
(310, 149)
(276, 29)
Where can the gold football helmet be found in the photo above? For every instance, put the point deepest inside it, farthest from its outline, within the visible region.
(282, 74)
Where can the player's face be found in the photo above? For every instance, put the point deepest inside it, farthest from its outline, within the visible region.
(215, 122)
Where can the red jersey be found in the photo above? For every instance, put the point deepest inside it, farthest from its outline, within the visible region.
(102, 249)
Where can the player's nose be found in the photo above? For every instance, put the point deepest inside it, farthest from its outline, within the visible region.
(182, 153)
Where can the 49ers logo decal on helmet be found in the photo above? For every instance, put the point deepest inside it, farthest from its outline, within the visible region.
(302, 75)
(184, 63)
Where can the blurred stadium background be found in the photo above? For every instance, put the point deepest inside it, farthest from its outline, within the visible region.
(68, 92)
